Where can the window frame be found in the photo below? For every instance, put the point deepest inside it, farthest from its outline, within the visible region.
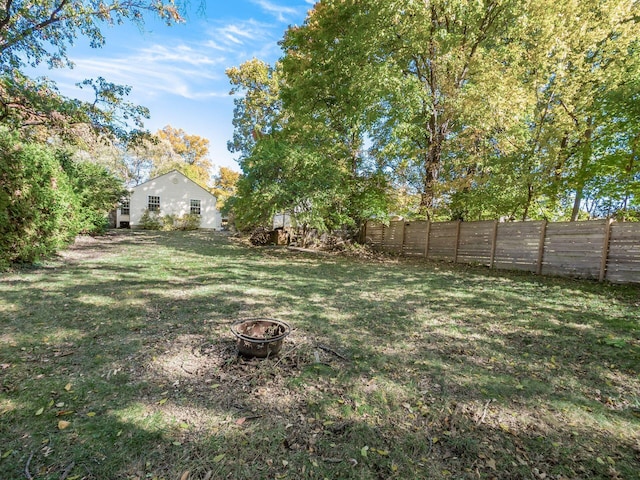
(125, 206)
(195, 207)
(153, 203)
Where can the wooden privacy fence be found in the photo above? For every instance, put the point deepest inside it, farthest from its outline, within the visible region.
(596, 249)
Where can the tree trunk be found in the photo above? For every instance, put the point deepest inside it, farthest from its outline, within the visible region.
(584, 161)
(527, 205)
(431, 174)
(576, 204)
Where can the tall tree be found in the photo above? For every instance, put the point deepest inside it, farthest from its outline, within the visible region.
(589, 64)
(293, 158)
(576, 55)
(612, 187)
(418, 59)
(258, 106)
(225, 186)
(176, 149)
(481, 108)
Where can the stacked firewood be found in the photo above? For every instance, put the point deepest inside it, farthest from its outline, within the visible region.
(260, 236)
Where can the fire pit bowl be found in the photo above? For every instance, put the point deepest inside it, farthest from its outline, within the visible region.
(260, 337)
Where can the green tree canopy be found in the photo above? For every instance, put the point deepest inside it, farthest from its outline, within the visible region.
(176, 149)
(33, 32)
(466, 109)
(257, 111)
(37, 31)
(225, 186)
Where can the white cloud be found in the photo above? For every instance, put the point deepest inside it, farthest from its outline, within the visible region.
(248, 32)
(243, 40)
(182, 54)
(282, 13)
(191, 70)
(157, 70)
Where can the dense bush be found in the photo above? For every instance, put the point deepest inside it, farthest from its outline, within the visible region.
(151, 221)
(46, 199)
(190, 221)
(168, 222)
(97, 191)
(37, 204)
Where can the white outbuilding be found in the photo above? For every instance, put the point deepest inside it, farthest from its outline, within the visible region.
(170, 194)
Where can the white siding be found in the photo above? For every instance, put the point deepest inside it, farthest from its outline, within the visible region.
(176, 192)
(281, 220)
(121, 218)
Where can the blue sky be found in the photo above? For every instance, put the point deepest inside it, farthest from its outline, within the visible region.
(178, 72)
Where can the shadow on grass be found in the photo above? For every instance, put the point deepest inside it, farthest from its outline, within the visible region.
(450, 372)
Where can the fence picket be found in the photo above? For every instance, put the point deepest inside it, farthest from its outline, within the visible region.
(543, 234)
(426, 240)
(493, 243)
(457, 244)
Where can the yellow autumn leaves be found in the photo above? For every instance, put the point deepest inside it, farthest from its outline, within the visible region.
(62, 424)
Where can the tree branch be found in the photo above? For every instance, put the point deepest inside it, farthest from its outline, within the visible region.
(37, 27)
(491, 14)
(7, 18)
(26, 468)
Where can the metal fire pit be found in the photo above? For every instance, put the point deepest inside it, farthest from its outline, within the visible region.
(260, 337)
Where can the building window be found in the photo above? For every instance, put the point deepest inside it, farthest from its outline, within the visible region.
(124, 206)
(195, 207)
(154, 204)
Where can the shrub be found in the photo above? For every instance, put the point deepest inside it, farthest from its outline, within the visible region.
(190, 221)
(97, 192)
(151, 221)
(168, 222)
(37, 204)
(155, 221)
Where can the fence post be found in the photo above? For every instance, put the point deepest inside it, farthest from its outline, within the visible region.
(404, 236)
(426, 242)
(455, 251)
(382, 244)
(494, 239)
(605, 249)
(543, 234)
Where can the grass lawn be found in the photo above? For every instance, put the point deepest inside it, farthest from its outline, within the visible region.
(117, 362)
